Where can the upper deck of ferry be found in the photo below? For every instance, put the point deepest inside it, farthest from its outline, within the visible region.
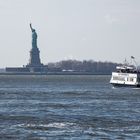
(127, 69)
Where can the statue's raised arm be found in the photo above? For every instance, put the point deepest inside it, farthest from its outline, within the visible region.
(31, 27)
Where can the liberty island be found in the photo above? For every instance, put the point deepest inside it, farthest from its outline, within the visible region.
(68, 67)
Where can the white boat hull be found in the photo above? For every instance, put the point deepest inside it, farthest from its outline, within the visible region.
(125, 79)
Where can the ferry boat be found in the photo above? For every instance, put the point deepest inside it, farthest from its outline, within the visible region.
(126, 75)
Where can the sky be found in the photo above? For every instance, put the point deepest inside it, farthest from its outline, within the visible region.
(100, 30)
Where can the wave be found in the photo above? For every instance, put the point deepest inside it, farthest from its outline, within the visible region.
(50, 125)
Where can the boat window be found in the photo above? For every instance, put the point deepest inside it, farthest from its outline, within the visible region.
(130, 79)
(119, 78)
(138, 79)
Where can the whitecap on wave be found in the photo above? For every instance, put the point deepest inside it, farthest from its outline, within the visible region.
(50, 125)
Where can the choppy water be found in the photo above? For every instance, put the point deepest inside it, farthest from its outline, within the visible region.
(67, 108)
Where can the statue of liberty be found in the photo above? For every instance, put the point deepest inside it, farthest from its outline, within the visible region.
(34, 37)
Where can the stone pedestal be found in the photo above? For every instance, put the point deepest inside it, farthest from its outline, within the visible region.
(35, 58)
(35, 64)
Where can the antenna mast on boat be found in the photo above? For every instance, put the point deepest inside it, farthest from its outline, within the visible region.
(133, 58)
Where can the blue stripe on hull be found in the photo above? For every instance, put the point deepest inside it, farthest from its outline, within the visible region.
(124, 85)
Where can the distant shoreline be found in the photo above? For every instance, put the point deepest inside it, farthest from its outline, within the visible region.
(52, 73)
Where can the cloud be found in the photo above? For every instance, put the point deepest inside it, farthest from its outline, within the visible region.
(111, 19)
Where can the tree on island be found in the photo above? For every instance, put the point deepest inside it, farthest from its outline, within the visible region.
(87, 66)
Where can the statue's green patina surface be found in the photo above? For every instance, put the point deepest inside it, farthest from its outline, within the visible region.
(34, 37)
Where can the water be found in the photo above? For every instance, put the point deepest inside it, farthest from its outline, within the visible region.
(67, 108)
